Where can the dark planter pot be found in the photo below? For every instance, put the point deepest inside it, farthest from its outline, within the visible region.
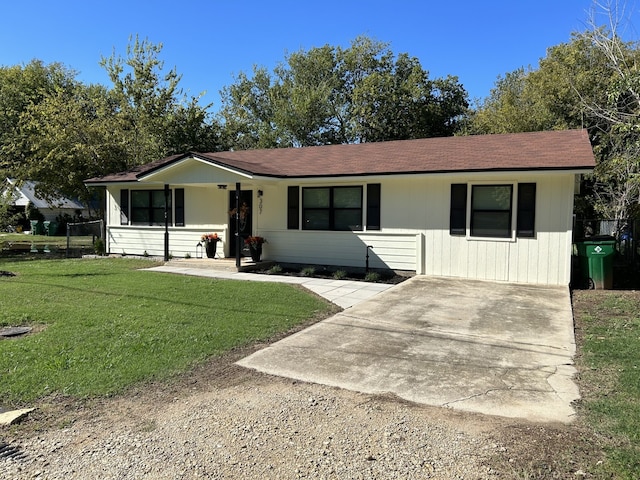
(256, 252)
(210, 248)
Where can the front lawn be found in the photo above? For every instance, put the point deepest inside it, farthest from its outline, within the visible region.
(102, 325)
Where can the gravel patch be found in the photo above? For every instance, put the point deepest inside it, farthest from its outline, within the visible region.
(259, 427)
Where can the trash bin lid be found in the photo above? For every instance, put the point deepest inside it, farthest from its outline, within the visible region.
(596, 239)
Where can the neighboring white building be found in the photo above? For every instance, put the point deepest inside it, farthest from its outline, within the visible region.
(494, 207)
(52, 208)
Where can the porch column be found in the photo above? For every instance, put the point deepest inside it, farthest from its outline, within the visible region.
(167, 200)
(238, 239)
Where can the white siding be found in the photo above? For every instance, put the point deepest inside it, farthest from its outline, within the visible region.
(395, 251)
(125, 240)
(544, 259)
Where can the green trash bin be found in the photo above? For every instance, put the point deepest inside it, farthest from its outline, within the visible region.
(52, 228)
(37, 227)
(596, 261)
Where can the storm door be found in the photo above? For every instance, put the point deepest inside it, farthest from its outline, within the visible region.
(244, 224)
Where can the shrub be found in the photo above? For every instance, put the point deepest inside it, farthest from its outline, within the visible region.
(98, 246)
(275, 270)
(308, 271)
(372, 277)
(339, 274)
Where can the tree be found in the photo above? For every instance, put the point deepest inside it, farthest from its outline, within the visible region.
(21, 87)
(73, 134)
(329, 95)
(514, 105)
(247, 113)
(150, 104)
(60, 132)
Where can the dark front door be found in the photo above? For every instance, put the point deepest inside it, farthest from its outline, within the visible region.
(243, 227)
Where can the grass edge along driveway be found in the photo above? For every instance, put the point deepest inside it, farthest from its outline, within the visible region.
(103, 325)
(608, 338)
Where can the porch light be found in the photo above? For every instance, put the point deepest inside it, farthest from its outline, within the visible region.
(198, 250)
(260, 193)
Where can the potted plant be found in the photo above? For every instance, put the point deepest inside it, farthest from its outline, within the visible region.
(210, 240)
(255, 246)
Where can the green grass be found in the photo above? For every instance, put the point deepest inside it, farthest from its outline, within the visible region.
(609, 333)
(107, 325)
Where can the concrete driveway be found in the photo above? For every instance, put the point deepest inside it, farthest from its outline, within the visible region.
(492, 348)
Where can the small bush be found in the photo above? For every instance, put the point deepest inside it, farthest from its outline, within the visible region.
(372, 277)
(275, 270)
(339, 274)
(187, 255)
(308, 272)
(98, 247)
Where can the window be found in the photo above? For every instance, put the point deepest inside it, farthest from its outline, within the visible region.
(147, 207)
(491, 210)
(332, 208)
(373, 206)
(458, 211)
(526, 210)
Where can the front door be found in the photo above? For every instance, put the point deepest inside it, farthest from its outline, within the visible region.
(244, 226)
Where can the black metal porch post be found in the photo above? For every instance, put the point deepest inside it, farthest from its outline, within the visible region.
(238, 238)
(167, 200)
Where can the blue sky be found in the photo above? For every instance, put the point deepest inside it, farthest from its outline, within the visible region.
(209, 41)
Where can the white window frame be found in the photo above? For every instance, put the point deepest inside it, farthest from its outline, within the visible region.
(514, 197)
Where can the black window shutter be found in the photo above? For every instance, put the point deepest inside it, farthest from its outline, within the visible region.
(293, 208)
(124, 207)
(526, 219)
(373, 206)
(458, 212)
(179, 206)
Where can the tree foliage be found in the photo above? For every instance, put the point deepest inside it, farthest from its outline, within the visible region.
(58, 132)
(21, 87)
(73, 134)
(155, 117)
(593, 82)
(329, 95)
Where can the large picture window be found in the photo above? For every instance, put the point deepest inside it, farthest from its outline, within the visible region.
(147, 207)
(332, 208)
(491, 210)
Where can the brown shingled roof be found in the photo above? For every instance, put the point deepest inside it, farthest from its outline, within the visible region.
(553, 150)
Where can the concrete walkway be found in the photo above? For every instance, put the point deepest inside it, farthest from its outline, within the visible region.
(344, 293)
